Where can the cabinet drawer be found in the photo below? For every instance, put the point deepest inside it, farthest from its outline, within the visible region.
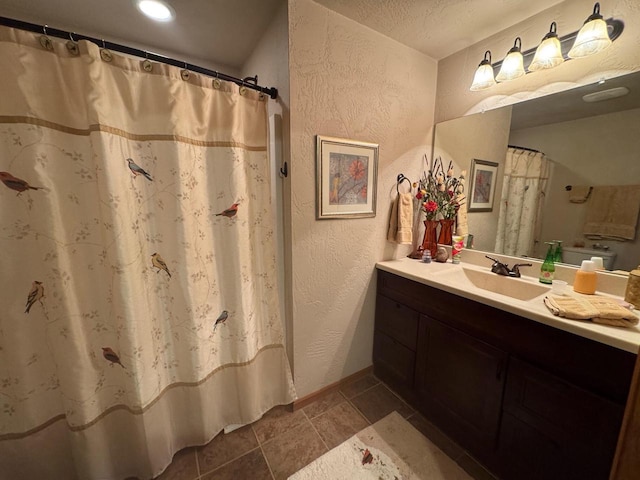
(397, 321)
(395, 359)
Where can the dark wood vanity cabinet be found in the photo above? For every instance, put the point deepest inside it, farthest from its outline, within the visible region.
(459, 379)
(527, 400)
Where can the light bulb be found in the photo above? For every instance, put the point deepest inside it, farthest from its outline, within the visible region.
(483, 77)
(592, 38)
(513, 64)
(549, 52)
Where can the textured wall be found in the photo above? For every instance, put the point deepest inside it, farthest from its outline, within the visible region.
(270, 60)
(455, 72)
(485, 137)
(601, 150)
(346, 81)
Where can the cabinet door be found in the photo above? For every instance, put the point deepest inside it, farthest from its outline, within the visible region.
(553, 429)
(460, 380)
(394, 345)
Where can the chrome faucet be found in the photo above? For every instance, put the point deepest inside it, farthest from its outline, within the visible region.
(504, 270)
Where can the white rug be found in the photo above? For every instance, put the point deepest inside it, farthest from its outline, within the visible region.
(390, 449)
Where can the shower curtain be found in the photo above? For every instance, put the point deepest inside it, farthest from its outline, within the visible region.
(139, 301)
(525, 178)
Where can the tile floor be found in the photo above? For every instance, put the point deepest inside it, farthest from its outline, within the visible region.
(282, 442)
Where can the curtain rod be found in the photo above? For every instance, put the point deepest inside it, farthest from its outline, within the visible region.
(249, 82)
(524, 148)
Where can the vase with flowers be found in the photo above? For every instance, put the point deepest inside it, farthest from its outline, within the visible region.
(437, 193)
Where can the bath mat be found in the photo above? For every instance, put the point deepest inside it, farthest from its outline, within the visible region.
(390, 449)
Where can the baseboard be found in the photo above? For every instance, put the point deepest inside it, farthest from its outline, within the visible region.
(312, 397)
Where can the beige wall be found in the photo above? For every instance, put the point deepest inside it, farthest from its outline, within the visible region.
(601, 150)
(485, 137)
(455, 72)
(346, 81)
(270, 60)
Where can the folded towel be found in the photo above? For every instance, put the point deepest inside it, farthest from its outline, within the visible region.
(405, 218)
(393, 221)
(579, 194)
(613, 212)
(598, 309)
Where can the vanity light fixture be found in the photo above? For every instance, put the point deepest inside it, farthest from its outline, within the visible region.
(549, 52)
(484, 74)
(593, 37)
(157, 10)
(513, 64)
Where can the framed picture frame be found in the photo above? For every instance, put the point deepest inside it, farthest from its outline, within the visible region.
(484, 175)
(346, 178)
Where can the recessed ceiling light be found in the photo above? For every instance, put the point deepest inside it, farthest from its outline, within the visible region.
(156, 10)
(605, 94)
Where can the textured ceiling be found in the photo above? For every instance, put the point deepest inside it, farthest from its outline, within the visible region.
(225, 32)
(221, 32)
(438, 28)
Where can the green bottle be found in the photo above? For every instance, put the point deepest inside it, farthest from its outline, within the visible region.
(548, 268)
(557, 256)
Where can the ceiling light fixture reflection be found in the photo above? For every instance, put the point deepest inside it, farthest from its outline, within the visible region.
(513, 64)
(592, 38)
(156, 10)
(549, 52)
(484, 74)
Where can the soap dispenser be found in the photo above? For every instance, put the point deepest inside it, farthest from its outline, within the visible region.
(585, 281)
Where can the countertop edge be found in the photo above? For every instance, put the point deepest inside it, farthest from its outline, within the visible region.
(619, 337)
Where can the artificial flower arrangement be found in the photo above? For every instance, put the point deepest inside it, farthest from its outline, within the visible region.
(438, 192)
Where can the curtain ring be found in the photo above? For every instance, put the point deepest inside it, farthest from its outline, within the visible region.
(45, 41)
(147, 66)
(72, 45)
(105, 54)
(217, 83)
(242, 90)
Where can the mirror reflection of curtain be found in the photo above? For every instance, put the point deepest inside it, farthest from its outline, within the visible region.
(526, 174)
(152, 315)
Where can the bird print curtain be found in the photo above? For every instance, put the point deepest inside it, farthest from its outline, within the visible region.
(139, 299)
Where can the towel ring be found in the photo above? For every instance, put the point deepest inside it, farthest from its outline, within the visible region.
(401, 178)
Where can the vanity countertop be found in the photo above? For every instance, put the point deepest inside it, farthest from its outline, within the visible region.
(444, 277)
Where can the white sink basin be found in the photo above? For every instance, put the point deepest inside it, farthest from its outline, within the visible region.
(518, 288)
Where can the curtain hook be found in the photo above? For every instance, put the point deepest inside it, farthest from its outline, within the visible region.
(72, 45)
(45, 41)
(216, 82)
(185, 72)
(105, 54)
(147, 66)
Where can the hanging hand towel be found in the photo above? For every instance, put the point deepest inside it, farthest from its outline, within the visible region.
(579, 194)
(393, 221)
(405, 218)
(613, 212)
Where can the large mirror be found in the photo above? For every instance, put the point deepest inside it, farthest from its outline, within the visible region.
(567, 162)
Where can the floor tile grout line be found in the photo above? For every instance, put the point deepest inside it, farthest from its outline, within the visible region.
(195, 450)
(229, 461)
(316, 430)
(362, 392)
(266, 460)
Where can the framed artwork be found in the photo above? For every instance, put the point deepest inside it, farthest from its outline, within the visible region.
(346, 176)
(484, 175)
